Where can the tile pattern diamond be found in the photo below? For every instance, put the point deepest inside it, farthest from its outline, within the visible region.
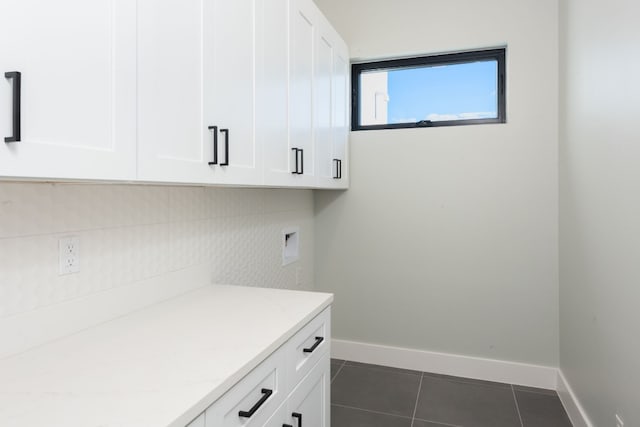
(129, 233)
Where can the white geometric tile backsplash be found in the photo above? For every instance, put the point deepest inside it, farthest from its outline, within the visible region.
(133, 232)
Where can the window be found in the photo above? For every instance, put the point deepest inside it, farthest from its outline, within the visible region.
(441, 90)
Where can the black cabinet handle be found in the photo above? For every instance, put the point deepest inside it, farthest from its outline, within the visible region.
(226, 146)
(295, 154)
(266, 393)
(340, 169)
(298, 416)
(337, 174)
(301, 161)
(215, 145)
(17, 83)
(314, 346)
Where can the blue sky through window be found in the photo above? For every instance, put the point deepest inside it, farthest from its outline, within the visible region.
(448, 92)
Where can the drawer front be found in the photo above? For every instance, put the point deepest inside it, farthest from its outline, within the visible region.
(253, 400)
(307, 347)
(309, 402)
(279, 419)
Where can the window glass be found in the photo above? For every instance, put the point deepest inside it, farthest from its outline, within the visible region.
(430, 91)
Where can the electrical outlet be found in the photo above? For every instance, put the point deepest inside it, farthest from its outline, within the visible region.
(69, 255)
(619, 422)
(299, 276)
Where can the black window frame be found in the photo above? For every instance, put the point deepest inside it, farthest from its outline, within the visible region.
(497, 54)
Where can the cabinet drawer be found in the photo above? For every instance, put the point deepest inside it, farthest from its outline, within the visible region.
(310, 399)
(306, 348)
(254, 399)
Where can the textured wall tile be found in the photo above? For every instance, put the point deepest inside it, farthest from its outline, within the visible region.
(285, 200)
(129, 233)
(235, 201)
(188, 243)
(188, 204)
(85, 207)
(26, 272)
(25, 209)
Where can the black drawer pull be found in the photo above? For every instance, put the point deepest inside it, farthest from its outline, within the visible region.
(314, 346)
(298, 416)
(215, 145)
(226, 146)
(337, 174)
(266, 393)
(340, 169)
(17, 83)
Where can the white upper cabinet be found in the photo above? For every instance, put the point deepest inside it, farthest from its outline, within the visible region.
(77, 65)
(331, 108)
(231, 92)
(196, 103)
(174, 144)
(230, 85)
(272, 115)
(314, 154)
(340, 124)
(303, 27)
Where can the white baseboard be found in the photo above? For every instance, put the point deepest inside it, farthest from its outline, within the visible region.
(447, 364)
(571, 404)
(27, 330)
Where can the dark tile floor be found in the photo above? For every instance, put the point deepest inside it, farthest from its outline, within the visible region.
(378, 396)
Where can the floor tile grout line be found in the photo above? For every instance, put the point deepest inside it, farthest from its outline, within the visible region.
(415, 407)
(471, 381)
(338, 371)
(439, 423)
(370, 411)
(515, 399)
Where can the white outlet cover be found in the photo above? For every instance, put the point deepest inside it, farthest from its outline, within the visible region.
(69, 255)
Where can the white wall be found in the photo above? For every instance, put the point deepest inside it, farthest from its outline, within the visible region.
(139, 245)
(600, 207)
(447, 239)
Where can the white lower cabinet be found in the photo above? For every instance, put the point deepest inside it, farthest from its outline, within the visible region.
(289, 387)
(254, 398)
(310, 400)
(308, 405)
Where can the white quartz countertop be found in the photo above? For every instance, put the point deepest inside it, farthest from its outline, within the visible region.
(160, 366)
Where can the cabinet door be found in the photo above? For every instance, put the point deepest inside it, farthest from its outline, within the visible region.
(77, 63)
(309, 402)
(331, 108)
(323, 103)
(279, 418)
(304, 16)
(196, 77)
(340, 121)
(230, 85)
(175, 144)
(273, 93)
